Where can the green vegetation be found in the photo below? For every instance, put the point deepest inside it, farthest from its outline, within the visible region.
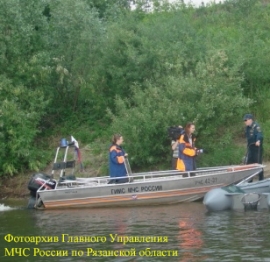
(91, 68)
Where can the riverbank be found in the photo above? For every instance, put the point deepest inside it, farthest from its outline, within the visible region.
(16, 187)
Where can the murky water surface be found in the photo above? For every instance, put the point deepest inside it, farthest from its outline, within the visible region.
(184, 232)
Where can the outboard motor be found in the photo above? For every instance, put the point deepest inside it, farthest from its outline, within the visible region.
(38, 180)
(251, 201)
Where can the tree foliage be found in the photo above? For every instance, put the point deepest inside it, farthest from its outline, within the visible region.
(209, 98)
(65, 64)
(20, 114)
(23, 103)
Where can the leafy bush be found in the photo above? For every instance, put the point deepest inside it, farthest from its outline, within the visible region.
(20, 113)
(266, 143)
(212, 99)
(64, 62)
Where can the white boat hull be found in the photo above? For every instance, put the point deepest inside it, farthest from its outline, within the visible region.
(150, 188)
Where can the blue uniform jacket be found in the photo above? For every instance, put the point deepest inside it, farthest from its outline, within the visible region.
(116, 161)
(253, 134)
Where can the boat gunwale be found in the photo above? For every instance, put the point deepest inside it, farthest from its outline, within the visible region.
(165, 178)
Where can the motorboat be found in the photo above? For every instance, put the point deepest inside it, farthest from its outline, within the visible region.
(144, 188)
(243, 196)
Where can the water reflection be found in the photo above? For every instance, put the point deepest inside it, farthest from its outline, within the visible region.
(196, 234)
(243, 236)
(160, 221)
(190, 239)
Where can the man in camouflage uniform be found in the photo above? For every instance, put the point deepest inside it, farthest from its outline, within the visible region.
(254, 142)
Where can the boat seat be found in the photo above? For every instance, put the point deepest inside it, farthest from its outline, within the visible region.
(118, 180)
(68, 177)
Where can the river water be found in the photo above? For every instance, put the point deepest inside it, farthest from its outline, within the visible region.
(183, 232)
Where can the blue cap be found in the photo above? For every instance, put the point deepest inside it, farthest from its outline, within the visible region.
(248, 116)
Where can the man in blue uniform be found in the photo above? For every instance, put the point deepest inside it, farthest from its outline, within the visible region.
(254, 142)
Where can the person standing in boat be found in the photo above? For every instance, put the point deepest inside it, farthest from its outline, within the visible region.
(186, 149)
(116, 160)
(174, 145)
(254, 138)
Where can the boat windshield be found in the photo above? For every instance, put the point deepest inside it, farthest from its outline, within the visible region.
(233, 189)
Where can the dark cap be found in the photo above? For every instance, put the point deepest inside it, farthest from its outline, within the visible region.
(248, 116)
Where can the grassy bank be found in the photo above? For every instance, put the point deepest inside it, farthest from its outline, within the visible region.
(16, 186)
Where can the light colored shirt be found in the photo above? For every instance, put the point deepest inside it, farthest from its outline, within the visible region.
(175, 151)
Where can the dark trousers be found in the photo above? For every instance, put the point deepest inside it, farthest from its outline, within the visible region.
(174, 163)
(255, 156)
